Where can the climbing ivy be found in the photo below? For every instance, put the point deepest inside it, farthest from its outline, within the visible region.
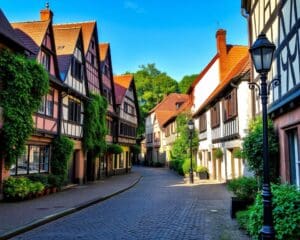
(95, 128)
(24, 82)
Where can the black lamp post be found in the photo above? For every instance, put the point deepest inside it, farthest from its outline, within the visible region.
(262, 55)
(191, 130)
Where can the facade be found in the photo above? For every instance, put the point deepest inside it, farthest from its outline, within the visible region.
(161, 128)
(222, 108)
(128, 118)
(106, 166)
(71, 61)
(38, 37)
(280, 20)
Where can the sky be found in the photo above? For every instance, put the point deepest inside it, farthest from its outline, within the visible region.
(178, 36)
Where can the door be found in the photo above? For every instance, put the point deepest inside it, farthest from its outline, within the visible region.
(294, 161)
(72, 167)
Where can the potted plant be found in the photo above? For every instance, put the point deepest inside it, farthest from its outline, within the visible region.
(244, 190)
(202, 172)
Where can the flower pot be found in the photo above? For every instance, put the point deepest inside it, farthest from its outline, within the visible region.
(203, 175)
(239, 205)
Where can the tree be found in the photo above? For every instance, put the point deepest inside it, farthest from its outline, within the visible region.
(186, 82)
(152, 86)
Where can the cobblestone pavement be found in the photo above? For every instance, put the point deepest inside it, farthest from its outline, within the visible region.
(161, 206)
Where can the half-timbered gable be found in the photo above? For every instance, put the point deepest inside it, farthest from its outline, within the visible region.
(91, 52)
(71, 61)
(280, 21)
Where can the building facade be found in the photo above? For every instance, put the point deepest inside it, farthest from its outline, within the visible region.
(128, 119)
(222, 108)
(280, 21)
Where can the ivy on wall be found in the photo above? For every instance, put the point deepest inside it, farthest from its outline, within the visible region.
(95, 129)
(24, 82)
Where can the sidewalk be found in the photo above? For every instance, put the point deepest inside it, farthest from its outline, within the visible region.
(18, 217)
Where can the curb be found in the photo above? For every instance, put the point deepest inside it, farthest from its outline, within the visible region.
(53, 217)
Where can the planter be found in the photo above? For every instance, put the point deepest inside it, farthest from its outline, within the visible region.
(239, 205)
(202, 175)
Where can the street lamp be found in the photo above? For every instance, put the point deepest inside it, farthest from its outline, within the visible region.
(262, 55)
(191, 130)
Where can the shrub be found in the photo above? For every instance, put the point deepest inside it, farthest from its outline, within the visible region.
(176, 165)
(186, 165)
(286, 214)
(39, 178)
(201, 169)
(244, 188)
(20, 188)
(55, 181)
(237, 153)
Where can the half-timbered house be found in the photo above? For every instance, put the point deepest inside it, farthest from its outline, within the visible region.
(38, 37)
(280, 21)
(71, 61)
(221, 108)
(128, 119)
(106, 165)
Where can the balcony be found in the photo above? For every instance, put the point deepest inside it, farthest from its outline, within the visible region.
(231, 128)
(202, 136)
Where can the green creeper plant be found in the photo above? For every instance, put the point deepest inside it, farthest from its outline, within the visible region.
(114, 148)
(62, 149)
(23, 83)
(95, 129)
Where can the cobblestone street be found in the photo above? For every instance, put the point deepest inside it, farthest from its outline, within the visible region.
(161, 206)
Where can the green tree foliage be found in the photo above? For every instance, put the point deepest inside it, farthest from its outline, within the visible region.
(253, 148)
(95, 129)
(62, 148)
(181, 146)
(186, 82)
(152, 86)
(24, 82)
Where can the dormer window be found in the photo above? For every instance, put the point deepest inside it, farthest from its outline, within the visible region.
(77, 69)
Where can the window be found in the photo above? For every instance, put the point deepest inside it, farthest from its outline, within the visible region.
(202, 122)
(215, 115)
(74, 111)
(35, 159)
(47, 104)
(77, 69)
(293, 143)
(45, 60)
(230, 105)
(125, 107)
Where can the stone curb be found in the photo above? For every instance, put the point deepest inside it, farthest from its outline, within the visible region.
(52, 217)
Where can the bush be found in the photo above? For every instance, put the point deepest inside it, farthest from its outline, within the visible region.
(114, 148)
(20, 188)
(176, 165)
(186, 165)
(39, 178)
(201, 169)
(286, 214)
(244, 188)
(217, 153)
(55, 181)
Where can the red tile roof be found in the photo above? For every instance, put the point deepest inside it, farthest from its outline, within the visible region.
(124, 80)
(167, 109)
(87, 31)
(31, 33)
(119, 92)
(240, 69)
(103, 47)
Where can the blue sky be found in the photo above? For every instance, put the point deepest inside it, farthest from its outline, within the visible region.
(178, 36)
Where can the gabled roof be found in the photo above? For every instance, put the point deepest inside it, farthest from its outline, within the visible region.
(31, 33)
(7, 31)
(87, 31)
(65, 40)
(168, 108)
(103, 47)
(124, 80)
(240, 69)
(120, 93)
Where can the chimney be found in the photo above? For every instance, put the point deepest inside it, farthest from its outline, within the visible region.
(222, 51)
(46, 14)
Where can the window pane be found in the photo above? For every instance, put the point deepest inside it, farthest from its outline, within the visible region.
(44, 164)
(21, 164)
(34, 157)
(42, 106)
